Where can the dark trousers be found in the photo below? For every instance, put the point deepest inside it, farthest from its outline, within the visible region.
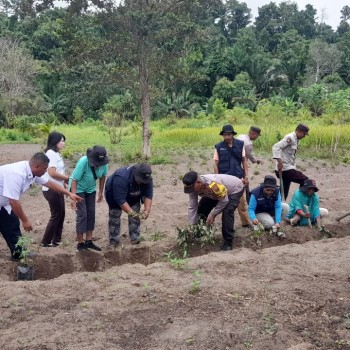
(289, 176)
(10, 229)
(85, 220)
(53, 232)
(206, 205)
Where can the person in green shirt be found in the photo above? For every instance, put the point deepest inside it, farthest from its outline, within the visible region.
(89, 168)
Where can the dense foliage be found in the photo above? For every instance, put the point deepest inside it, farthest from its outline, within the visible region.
(181, 58)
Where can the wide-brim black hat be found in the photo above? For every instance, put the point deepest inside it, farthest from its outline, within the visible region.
(309, 184)
(97, 156)
(269, 181)
(228, 129)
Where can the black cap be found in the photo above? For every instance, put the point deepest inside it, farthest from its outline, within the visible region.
(308, 183)
(189, 180)
(255, 129)
(269, 181)
(97, 156)
(143, 173)
(304, 128)
(227, 128)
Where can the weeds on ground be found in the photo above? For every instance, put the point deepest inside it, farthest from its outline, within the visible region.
(157, 236)
(200, 232)
(34, 190)
(196, 283)
(175, 262)
(248, 344)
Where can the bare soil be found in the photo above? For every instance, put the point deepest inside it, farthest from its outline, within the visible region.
(290, 293)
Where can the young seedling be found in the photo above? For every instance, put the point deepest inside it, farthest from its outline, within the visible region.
(196, 283)
(258, 232)
(175, 262)
(25, 269)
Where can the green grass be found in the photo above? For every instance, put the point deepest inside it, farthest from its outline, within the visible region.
(194, 136)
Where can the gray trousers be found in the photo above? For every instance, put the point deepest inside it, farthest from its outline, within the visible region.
(114, 224)
(268, 221)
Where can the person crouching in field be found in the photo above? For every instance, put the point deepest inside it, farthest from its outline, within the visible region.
(220, 194)
(265, 204)
(304, 206)
(126, 189)
(89, 168)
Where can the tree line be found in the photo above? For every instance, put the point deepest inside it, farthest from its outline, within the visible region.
(153, 58)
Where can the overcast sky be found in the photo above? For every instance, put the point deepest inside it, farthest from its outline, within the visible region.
(332, 8)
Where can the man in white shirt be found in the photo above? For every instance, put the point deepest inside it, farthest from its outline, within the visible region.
(284, 152)
(253, 134)
(15, 179)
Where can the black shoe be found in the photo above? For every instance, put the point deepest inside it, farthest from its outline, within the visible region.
(81, 247)
(56, 244)
(135, 241)
(226, 247)
(113, 244)
(91, 245)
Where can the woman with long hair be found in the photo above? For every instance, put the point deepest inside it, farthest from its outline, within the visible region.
(56, 171)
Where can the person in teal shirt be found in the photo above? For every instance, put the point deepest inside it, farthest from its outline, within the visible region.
(89, 168)
(305, 205)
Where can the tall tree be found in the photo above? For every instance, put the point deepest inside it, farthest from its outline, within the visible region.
(236, 15)
(17, 71)
(146, 38)
(324, 59)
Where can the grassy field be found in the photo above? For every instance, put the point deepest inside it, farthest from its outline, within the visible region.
(171, 137)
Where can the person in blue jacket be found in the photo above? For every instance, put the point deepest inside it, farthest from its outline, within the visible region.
(265, 204)
(125, 190)
(305, 205)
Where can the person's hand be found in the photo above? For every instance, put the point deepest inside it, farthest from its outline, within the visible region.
(245, 180)
(255, 222)
(279, 164)
(100, 198)
(75, 198)
(277, 225)
(306, 215)
(145, 214)
(27, 225)
(135, 215)
(210, 219)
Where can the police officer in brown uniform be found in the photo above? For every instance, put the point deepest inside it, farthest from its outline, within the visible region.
(284, 152)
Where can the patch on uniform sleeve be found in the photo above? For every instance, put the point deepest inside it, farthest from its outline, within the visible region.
(219, 190)
(289, 140)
